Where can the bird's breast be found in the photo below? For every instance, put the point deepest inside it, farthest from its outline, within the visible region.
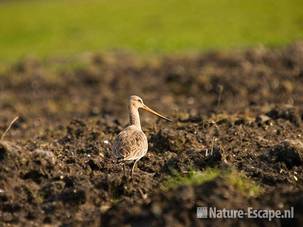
(130, 144)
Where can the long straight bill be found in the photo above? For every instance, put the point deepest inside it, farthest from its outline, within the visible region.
(154, 112)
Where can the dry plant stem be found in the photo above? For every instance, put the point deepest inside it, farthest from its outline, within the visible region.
(8, 128)
(212, 145)
(221, 88)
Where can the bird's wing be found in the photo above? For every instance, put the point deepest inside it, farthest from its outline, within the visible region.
(130, 144)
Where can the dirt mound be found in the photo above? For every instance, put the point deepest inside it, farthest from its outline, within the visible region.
(289, 152)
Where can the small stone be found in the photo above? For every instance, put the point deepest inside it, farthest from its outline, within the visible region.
(104, 208)
(156, 209)
(262, 118)
(7, 217)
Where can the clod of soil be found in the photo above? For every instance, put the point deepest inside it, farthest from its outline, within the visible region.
(289, 152)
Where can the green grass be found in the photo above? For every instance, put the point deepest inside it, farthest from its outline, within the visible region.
(243, 183)
(192, 178)
(237, 179)
(65, 27)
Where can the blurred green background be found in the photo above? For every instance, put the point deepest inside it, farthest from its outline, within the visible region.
(65, 27)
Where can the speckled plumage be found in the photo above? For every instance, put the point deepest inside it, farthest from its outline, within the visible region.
(130, 144)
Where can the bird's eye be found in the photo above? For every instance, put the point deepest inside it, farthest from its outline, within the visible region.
(140, 100)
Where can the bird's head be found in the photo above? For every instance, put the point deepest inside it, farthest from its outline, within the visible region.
(137, 103)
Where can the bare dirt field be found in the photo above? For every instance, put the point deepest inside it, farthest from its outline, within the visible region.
(232, 112)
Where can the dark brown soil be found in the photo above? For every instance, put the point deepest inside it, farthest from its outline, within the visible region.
(240, 110)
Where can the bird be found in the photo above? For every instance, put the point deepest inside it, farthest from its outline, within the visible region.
(131, 143)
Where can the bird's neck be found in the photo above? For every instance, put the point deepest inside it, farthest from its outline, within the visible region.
(134, 117)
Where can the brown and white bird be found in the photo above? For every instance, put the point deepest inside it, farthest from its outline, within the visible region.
(131, 143)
